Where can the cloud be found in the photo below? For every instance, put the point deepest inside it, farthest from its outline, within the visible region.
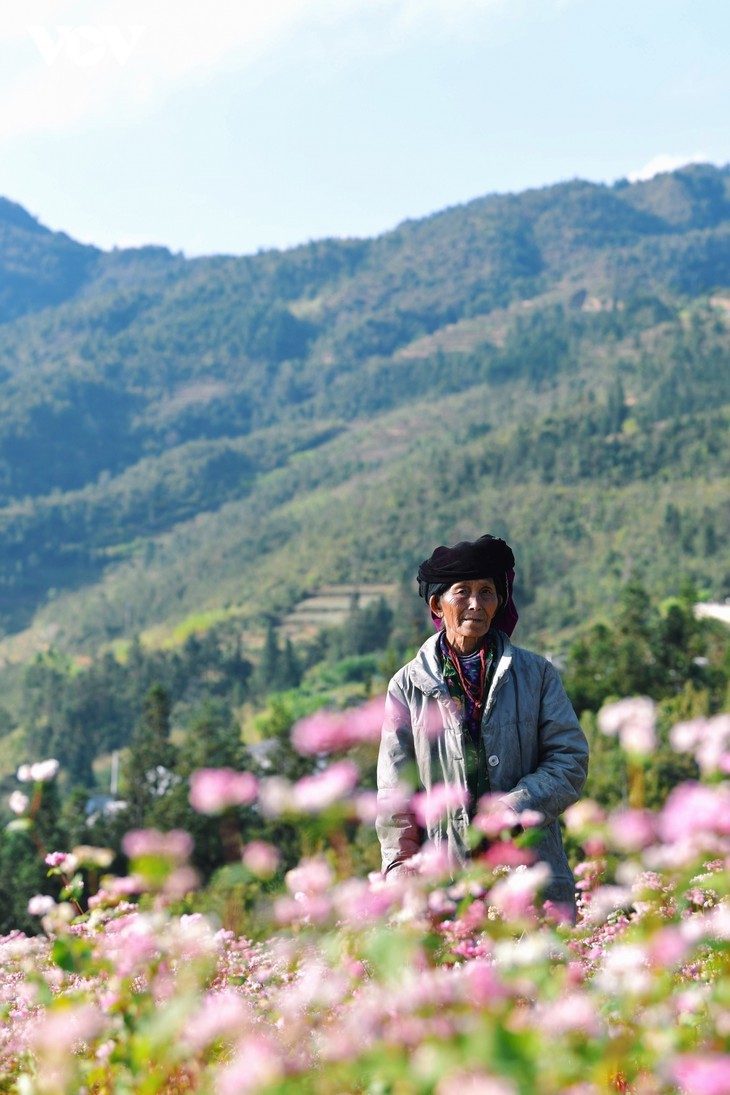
(74, 62)
(111, 59)
(663, 163)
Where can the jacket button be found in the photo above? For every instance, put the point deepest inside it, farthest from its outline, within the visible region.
(493, 761)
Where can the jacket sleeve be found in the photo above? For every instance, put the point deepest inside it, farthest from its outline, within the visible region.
(396, 826)
(562, 768)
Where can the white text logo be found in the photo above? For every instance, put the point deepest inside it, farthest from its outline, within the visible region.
(85, 46)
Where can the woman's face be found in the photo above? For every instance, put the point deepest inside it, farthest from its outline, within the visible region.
(467, 609)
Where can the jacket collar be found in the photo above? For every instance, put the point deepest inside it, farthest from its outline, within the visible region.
(425, 669)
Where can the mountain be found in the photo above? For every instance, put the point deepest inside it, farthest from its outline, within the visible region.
(229, 434)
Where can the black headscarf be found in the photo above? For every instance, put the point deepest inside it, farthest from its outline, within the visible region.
(487, 557)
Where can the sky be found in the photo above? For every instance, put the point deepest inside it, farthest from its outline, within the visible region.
(239, 125)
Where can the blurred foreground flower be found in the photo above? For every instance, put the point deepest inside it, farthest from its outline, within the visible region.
(40, 905)
(430, 806)
(631, 830)
(261, 858)
(708, 740)
(694, 809)
(88, 855)
(310, 876)
(312, 794)
(417, 981)
(139, 843)
(331, 731)
(159, 861)
(516, 894)
(41, 772)
(214, 790)
(634, 720)
(18, 802)
(495, 817)
(705, 1074)
(474, 1083)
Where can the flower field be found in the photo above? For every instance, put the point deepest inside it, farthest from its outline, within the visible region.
(424, 984)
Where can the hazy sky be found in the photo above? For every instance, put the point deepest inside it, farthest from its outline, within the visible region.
(265, 123)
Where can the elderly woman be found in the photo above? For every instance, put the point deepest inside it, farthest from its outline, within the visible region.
(480, 716)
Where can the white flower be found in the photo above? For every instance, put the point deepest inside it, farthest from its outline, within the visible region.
(41, 772)
(18, 802)
(528, 950)
(44, 771)
(634, 720)
(624, 971)
(41, 904)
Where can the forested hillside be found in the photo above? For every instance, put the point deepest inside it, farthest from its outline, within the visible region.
(193, 450)
(227, 434)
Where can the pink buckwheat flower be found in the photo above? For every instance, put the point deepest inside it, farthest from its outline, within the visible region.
(330, 731)
(516, 893)
(693, 808)
(214, 790)
(56, 1037)
(495, 817)
(574, 1011)
(303, 908)
(314, 793)
(262, 859)
(606, 900)
(667, 947)
(357, 901)
(505, 853)
(634, 720)
(63, 861)
(719, 922)
(707, 739)
(624, 970)
(181, 881)
(393, 800)
(706, 1074)
(474, 1082)
(482, 984)
(366, 807)
(221, 1015)
(175, 845)
(256, 1065)
(310, 876)
(430, 862)
(583, 816)
(430, 806)
(631, 830)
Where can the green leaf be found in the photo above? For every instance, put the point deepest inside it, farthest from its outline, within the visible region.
(72, 955)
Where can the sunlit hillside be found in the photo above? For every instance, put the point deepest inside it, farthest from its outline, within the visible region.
(231, 434)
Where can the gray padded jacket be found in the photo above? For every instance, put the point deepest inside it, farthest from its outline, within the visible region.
(536, 753)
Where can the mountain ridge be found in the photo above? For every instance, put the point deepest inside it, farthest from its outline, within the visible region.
(558, 338)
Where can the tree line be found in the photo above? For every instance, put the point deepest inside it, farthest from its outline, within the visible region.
(168, 713)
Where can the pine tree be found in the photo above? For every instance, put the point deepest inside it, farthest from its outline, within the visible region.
(149, 768)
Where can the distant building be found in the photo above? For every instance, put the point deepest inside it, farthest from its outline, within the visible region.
(99, 806)
(713, 610)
